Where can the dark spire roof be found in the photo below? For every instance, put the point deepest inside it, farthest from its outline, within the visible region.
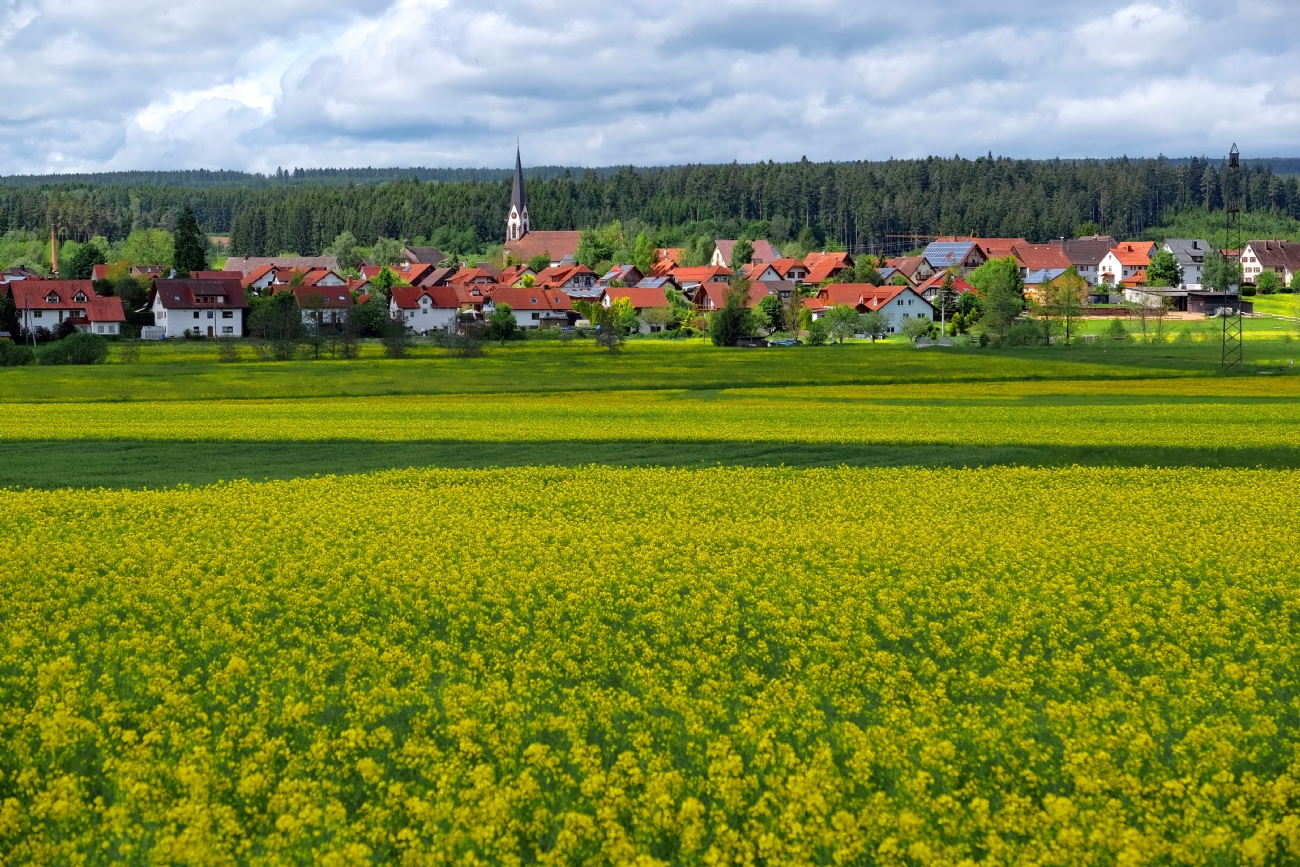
(517, 198)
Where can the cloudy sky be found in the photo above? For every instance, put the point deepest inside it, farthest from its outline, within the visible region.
(256, 84)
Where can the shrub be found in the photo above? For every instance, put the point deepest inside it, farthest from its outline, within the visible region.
(79, 348)
(1116, 330)
(819, 332)
(1028, 333)
(1247, 290)
(15, 354)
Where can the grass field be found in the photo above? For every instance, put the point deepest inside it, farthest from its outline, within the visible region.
(839, 605)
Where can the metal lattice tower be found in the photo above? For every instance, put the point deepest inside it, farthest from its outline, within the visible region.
(1232, 347)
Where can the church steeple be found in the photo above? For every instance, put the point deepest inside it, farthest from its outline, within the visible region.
(517, 222)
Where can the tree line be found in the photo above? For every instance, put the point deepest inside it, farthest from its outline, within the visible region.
(860, 205)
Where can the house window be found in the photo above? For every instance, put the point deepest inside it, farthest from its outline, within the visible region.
(36, 315)
(227, 314)
(99, 329)
(228, 330)
(196, 314)
(209, 314)
(536, 316)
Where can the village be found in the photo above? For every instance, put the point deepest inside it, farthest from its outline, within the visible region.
(543, 286)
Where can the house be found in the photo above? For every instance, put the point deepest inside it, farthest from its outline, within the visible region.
(914, 268)
(966, 255)
(1123, 261)
(825, 266)
(815, 307)
(422, 256)
(689, 278)
(1190, 253)
(48, 303)
(929, 290)
(21, 272)
(782, 288)
(320, 305)
(1085, 254)
(660, 283)
(210, 308)
(1036, 280)
(760, 272)
(763, 252)
(268, 277)
(643, 299)
(515, 274)
(425, 308)
(146, 272)
(628, 275)
(467, 276)
(792, 270)
(1283, 257)
(533, 308)
(1039, 257)
(666, 259)
(248, 264)
(575, 280)
(897, 303)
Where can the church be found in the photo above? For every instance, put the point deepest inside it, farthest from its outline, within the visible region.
(522, 243)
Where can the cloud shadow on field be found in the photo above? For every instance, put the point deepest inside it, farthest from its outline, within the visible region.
(153, 464)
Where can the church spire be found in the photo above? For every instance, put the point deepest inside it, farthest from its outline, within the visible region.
(517, 221)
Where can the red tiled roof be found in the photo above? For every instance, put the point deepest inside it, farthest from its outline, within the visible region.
(441, 297)
(180, 294)
(906, 264)
(641, 298)
(860, 294)
(763, 251)
(702, 274)
(470, 275)
(330, 296)
(557, 245)
(62, 295)
(936, 279)
(1039, 257)
(535, 298)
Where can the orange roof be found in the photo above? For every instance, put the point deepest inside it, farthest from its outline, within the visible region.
(468, 275)
(994, 248)
(1137, 278)
(669, 254)
(1131, 254)
(860, 295)
(441, 297)
(535, 298)
(702, 274)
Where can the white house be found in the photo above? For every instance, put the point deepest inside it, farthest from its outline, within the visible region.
(426, 309)
(1124, 261)
(897, 303)
(532, 308)
(1282, 257)
(320, 304)
(1190, 253)
(209, 308)
(48, 303)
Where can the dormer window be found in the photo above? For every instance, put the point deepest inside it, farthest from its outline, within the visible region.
(80, 298)
(51, 298)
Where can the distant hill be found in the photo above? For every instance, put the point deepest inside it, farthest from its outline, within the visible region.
(205, 179)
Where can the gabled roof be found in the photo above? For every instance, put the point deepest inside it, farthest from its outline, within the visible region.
(331, 297)
(535, 298)
(472, 275)
(1188, 251)
(193, 294)
(936, 279)
(862, 295)
(512, 275)
(658, 283)
(942, 254)
(906, 265)
(702, 274)
(1037, 257)
(1137, 278)
(424, 255)
(440, 297)
(641, 297)
(622, 272)
(1277, 254)
(63, 295)
(784, 266)
(557, 245)
(1087, 252)
(1132, 254)
(763, 251)
(557, 275)
(824, 266)
(247, 264)
(756, 271)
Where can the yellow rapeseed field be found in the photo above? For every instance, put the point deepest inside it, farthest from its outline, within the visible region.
(1071, 666)
(1181, 414)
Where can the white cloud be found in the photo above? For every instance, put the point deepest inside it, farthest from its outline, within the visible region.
(181, 83)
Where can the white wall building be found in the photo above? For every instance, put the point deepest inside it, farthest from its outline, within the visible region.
(48, 303)
(208, 308)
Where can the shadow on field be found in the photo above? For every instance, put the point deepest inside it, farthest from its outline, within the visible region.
(139, 463)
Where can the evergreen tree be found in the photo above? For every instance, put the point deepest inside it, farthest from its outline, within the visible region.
(189, 244)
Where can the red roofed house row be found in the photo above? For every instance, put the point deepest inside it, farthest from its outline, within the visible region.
(47, 303)
(897, 303)
(210, 308)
